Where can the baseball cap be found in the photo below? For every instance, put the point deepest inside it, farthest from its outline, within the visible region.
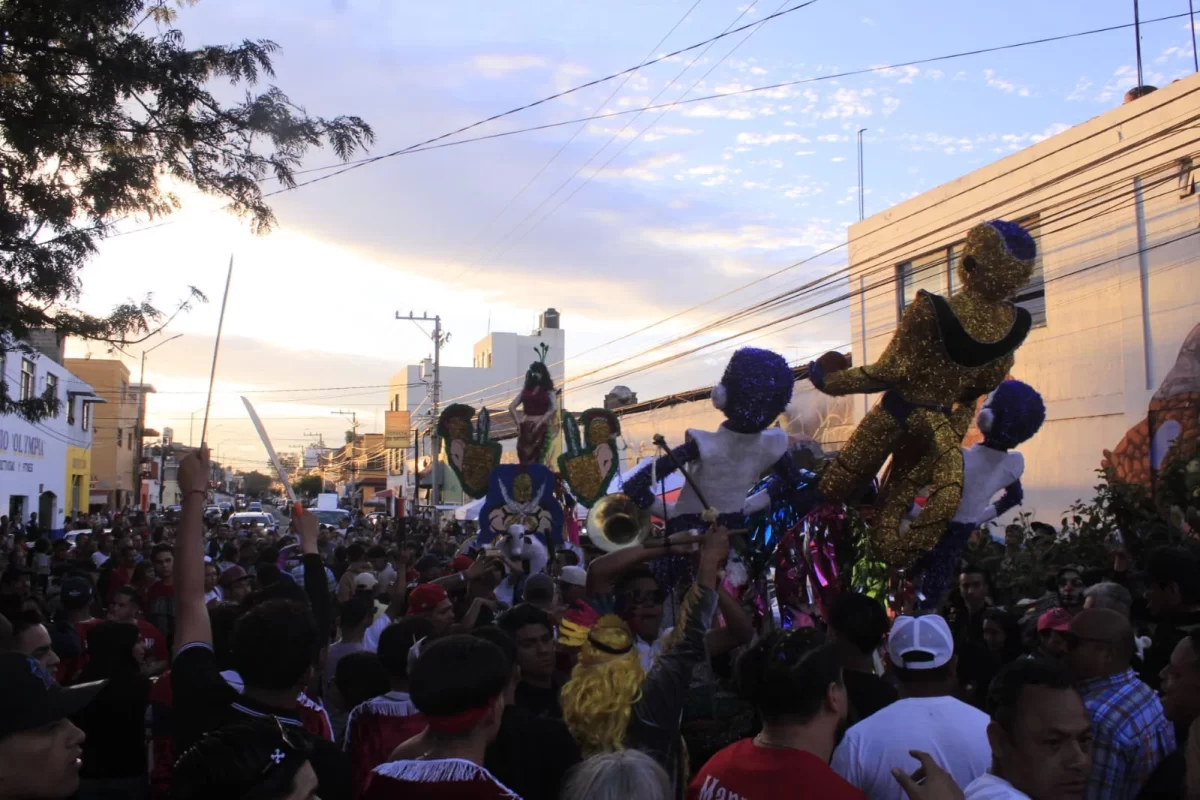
(427, 561)
(76, 590)
(30, 699)
(539, 588)
(366, 580)
(1056, 619)
(232, 575)
(573, 576)
(923, 642)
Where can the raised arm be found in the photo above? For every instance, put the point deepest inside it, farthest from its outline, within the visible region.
(316, 585)
(917, 324)
(737, 630)
(191, 614)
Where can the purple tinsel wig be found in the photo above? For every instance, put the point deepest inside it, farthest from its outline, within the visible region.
(755, 389)
(1018, 241)
(1013, 415)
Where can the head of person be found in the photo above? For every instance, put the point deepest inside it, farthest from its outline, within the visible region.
(128, 555)
(15, 582)
(430, 601)
(378, 557)
(858, 622)
(1002, 634)
(114, 649)
(428, 567)
(356, 552)
(356, 614)
(641, 602)
(275, 645)
(1040, 733)
(921, 650)
(1069, 581)
(1181, 682)
(365, 584)
(540, 591)
(76, 594)
(623, 774)
(164, 562)
(533, 631)
(259, 759)
(125, 606)
(1108, 595)
(39, 746)
(143, 575)
(210, 576)
(975, 585)
(396, 644)
(1052, 627)
(359, 677)
(31, 638)
(1172, 581)
(267, 574)
(458, 683)
(794, 679)
(572, 582)
(236, 583)
(1099, 643)
(608, 674)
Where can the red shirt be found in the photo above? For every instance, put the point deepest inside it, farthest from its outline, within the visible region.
(153, 640)
(375, 728)
(121, 576)
(749, 772)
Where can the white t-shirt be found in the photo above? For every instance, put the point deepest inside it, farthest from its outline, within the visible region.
(99, 558)
(951, 731)
(989, 787)
(648, 652)
(371, 637)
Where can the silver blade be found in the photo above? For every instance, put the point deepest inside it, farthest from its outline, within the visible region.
(266, 440)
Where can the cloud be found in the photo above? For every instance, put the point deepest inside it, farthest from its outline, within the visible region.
(707, 110)
(1003, 85)
(500, 66)
(1080, 91)
(746, 238)
(766, 139)
(646, 170)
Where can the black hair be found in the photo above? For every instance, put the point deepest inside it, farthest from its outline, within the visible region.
(159, 549)
(229, 552)
(237, 761)
(538, 377)
(398, 638)
(132, 594)
(1012, 631)
(787, 674)
(521, 615)
(976, 569)
(378, 551)
(860, 620)
(1178, 565)
(275, 644)
(502, 639)
(456, 674)
(267, 574)
(1004, 694)
(637, 573)
(28, 618)
(355, 552)
(361, 676)
(268, 555)
(110, 652)
(354, 611)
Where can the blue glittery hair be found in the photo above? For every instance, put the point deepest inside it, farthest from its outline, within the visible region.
(1018, 241)
(1013, 415)
(755, 389)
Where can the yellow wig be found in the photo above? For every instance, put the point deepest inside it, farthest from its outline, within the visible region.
(605, 684)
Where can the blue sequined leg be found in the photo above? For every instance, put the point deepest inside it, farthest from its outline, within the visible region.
(940, 564)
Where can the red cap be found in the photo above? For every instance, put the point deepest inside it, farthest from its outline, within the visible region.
(1056, 619)
(425, 597)
(461, 563)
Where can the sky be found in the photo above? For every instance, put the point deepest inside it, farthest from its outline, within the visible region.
(638, 228)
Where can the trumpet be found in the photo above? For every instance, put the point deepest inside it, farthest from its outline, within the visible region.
(616, 522)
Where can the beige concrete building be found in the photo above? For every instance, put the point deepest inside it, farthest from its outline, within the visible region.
(115, 468)
(1112, 204)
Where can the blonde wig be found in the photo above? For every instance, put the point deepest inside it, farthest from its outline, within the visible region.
(604, 686)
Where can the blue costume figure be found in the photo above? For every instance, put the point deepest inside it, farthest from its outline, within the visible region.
(1011, 416)
(521, 495)
(725, 464)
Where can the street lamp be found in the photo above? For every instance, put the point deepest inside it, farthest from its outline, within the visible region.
(141, 419)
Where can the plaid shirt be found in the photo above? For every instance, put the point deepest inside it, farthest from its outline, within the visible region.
(1130, 735)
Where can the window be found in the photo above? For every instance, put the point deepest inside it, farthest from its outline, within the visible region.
(124, 386)
(1033, 297)
(120, 435)
(927, 272)
(52, 391)
(70, 409)
(87, 416)
(28, 378)
(129, 440)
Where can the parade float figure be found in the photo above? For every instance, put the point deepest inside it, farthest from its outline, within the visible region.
(469, 449)
(521, 495)
(725, 464)
(945, 352)
(588, 466)
(534, 409)
(1012, 415)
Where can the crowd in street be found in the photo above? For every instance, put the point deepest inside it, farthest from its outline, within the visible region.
(188, 659)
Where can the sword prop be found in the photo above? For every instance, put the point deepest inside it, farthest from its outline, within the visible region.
(266, 440)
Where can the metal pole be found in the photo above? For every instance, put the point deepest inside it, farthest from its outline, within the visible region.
(862, 205)
(1192, 20)
(141, 421)
(1137, 33)
(212, 375)
(436, 495)
(416, 473)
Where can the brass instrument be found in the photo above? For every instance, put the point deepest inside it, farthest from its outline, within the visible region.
(616, 522)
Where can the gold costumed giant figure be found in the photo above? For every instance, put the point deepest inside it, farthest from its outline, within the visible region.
(944, 356)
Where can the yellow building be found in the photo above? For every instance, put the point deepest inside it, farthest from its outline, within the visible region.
(115, 475)
(79, 475)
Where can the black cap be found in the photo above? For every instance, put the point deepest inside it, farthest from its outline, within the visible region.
(30, 699)
(77, 590)
(427, 561)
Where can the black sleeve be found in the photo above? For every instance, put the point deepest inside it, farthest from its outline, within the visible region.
(638, 487)
(317, 588)
(200, 696)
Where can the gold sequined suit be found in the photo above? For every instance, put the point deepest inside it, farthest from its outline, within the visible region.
(944, 355)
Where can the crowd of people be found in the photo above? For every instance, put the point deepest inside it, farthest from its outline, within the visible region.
(182, 658)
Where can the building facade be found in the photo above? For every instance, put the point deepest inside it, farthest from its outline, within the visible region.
(495, 377)
(1112, 204)
(116, 471)
(45, 466)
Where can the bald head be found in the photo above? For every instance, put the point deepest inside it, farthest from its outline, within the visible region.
(1101, 642)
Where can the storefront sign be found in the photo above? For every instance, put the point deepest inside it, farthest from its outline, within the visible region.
(396, 430)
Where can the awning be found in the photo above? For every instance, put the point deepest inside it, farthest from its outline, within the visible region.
(386, 494)
(470, 511)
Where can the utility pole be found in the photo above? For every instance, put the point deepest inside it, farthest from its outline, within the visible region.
(1137, 36)
(352, 416)
(439, 338)
(862, 204)
(1192, 22)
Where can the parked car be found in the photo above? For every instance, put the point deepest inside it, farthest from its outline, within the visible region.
(330, 516)
(255, 506)
(247, 520)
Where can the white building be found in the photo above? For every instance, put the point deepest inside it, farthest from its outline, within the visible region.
(495, 377)
(45, 466)
(1113, 206)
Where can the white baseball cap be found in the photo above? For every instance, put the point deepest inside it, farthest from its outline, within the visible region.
(573, 576)
(923, 642)
(365, 580)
